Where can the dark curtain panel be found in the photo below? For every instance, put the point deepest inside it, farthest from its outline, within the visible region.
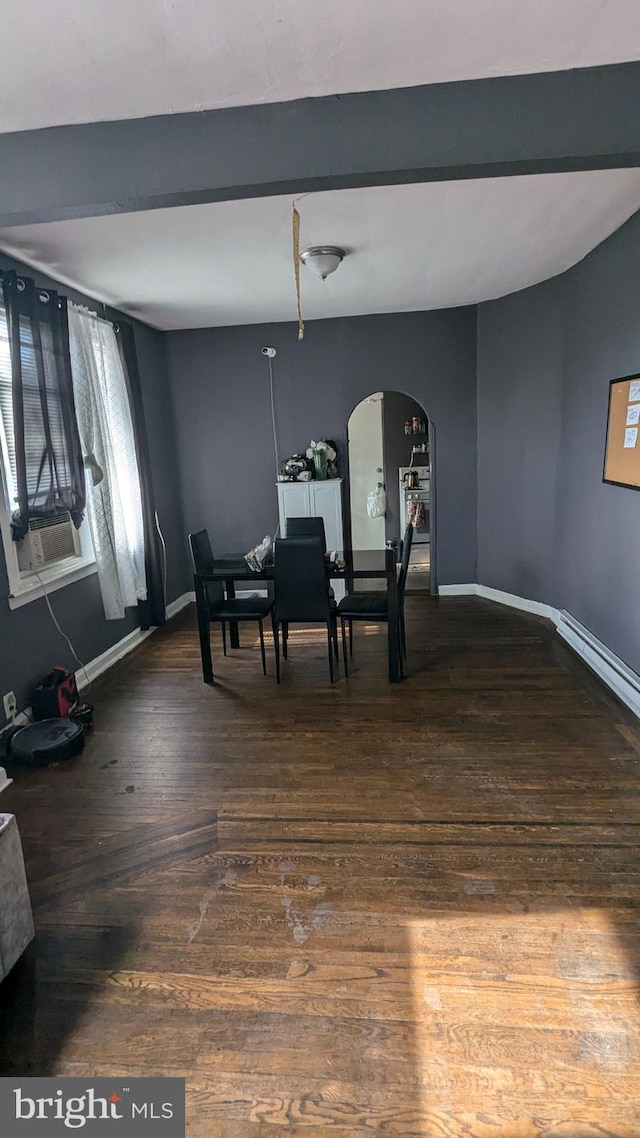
(152, 611)
(49, 468)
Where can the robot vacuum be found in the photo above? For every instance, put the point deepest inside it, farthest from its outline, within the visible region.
(49, 741)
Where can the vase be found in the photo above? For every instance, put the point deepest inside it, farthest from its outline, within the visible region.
(320, 465)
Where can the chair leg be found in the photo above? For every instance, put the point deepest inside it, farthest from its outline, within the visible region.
(285, 638)
(330, 647)
(351, 638)
(344, 648)
(334, 632)
(276, 643)
(264, 657)
(403, 636)
(224, 637)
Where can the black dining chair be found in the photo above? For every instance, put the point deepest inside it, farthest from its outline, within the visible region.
(373, 607)
(307, 527)
(302, 590)
(222, 610)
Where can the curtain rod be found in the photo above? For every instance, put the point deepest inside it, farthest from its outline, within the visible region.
(45, 289)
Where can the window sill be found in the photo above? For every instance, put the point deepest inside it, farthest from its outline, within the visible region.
(54, 578)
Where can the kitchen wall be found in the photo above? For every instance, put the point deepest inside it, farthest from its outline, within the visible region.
(220, 387)
(29, 642)
(549, 528)
(396, 409)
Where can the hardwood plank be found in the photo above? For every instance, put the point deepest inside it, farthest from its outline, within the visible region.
(358, 910)
(94, 864)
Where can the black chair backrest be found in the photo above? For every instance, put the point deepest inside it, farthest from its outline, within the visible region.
(203, 560)
(307, 527)
(201, 551)
(302, 585)
(404, 564)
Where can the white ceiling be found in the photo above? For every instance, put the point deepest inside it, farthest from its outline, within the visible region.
(412, 247)
(68, 61)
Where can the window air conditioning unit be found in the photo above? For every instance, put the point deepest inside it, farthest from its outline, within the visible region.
(48, 541)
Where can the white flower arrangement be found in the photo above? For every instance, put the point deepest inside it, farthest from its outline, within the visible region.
(321, 447)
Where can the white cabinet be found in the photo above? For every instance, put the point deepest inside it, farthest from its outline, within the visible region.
(293, 502)
(325, 501)
(315, 500)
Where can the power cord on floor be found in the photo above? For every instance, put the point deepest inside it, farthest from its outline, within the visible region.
(61, 631)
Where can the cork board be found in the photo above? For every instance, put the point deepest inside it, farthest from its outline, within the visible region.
(622, 453)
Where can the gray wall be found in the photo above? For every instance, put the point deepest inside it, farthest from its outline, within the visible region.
(396, 408)
(549, 528)
(29, 643)
(519, 420)
(220, 393)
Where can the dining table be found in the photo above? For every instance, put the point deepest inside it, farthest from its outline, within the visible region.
(352, 565)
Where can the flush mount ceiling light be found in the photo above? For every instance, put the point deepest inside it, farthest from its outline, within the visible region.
(323, 259)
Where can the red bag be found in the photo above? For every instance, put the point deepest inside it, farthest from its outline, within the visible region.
(56, 695)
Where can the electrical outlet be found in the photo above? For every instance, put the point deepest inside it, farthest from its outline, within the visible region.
(9, 701)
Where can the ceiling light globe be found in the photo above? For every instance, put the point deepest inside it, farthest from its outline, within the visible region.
(322, 259)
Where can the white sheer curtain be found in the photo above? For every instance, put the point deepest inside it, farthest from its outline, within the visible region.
(114, 506)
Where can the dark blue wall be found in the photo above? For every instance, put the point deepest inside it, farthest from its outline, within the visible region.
(549, 528)
(520, 351)
(220, 391)
(29, 643)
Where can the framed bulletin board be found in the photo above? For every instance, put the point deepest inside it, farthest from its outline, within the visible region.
(622, 452)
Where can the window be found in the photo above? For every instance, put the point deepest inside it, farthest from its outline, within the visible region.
(64, 564)
(7, 442)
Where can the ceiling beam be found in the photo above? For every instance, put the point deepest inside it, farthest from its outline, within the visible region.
(567, 120)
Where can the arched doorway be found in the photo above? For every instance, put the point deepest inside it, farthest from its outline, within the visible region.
(390, 442)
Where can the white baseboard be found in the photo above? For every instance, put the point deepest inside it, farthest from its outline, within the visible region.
(117, 651)
(618, 676)
(174, 607)
(613, 671)
(457, 590)
(515, 602)
(107, 659)
(510, 599)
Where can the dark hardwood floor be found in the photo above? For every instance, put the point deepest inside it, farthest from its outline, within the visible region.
(365, 909)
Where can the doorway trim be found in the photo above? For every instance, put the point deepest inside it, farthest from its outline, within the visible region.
(346, 500)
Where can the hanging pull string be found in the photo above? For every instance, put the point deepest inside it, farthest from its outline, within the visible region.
(295, 225)
(295, 221)
(60, 630)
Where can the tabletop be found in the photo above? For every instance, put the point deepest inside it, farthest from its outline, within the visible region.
(356, 563)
